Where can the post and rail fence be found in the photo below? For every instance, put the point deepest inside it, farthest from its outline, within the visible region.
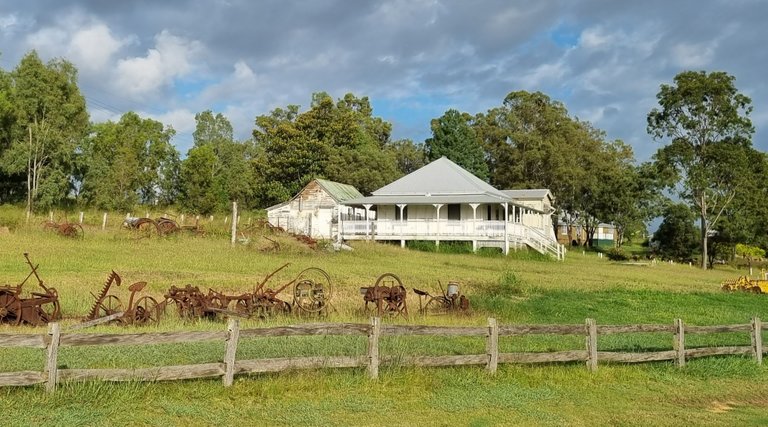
(52, 341)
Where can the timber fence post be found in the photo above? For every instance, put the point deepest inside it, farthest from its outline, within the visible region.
(492, 345)
(373, 348)
(82, 214)
(51, 369)
(757, 339)
(233, 336)
(591, 327)
(234, 223)
(679, 343)
(104, 222)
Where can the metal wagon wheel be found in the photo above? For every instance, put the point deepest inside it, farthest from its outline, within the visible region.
(10, 308)
(146, 227)
(49, 311)
(391, 307)
(313, 290)
(110, 305)
(74, 231)
(146, 311)
(438, 305)
(167, 226)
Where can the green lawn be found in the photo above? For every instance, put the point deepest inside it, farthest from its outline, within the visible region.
(520, 288)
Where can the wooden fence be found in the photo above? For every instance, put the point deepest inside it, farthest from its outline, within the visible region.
(51, 374)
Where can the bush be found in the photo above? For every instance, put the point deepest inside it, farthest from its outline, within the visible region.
(617, 254)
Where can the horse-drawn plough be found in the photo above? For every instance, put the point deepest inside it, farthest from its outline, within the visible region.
(36, 310)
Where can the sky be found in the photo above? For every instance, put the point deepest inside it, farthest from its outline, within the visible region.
(414, 59)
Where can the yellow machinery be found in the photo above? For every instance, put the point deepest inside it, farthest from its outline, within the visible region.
(746, 284)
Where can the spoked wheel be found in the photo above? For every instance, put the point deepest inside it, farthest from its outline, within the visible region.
(166, 226)
(50, 311)
(110, 305)
(438, 305)
(146, 311)
(395, 304)
(74, 231)
(10, 308)
(146, 227)
(313, 290)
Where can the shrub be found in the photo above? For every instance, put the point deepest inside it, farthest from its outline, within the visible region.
(617, 254)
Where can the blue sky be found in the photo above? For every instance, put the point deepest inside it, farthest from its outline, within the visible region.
(414, 59)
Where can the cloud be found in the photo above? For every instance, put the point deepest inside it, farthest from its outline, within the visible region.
(171, 57)
(82, 39)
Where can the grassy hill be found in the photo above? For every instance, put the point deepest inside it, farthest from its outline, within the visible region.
(520, 288)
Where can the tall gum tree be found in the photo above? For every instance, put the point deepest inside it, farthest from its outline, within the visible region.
(50, 119)
(706, 120)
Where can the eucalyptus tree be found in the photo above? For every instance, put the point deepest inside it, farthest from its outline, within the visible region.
(127, 162)
(706, 120)
(454, 138)
(49, 120)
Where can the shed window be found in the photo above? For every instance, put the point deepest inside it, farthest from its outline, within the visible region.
(397, 213)
(454, 212)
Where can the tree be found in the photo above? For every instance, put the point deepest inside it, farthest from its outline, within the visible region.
(341, 141)
(234, 178)
(409, 156)
(532, 142)
(454, 138)
(50, 118)
(11, 184)
(706, 119)
(198, 181)
(751, 253)
(677, 236)
(128, 162)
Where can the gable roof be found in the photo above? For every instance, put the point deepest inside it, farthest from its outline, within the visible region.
(538, 193)
(340, 192)
(441, 177)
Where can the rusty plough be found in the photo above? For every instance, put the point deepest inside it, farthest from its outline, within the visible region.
(41, 308)
(450, 301)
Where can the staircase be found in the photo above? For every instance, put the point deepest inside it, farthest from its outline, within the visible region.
(536, 240)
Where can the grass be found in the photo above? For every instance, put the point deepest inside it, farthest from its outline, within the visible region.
(520, 288)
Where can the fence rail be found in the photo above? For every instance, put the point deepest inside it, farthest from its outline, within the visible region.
(230, 366)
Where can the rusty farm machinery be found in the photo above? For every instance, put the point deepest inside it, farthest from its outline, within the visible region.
(39, 309)
(388, 296)
(163, 226)
(312, 291)
(65, 229)
(108, 307)
(450, 300)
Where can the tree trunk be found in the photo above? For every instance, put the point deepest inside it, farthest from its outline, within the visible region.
(703, 240)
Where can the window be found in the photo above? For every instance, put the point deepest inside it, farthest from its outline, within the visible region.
(397, 213)
(489, 212)
(454, 212)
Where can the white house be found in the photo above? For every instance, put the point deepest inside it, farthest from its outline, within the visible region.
(443, 202)
(314, 210)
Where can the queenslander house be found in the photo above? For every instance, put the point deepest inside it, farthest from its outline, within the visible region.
(443, 202)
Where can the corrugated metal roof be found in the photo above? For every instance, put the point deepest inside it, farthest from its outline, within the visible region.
(439, 178)
(537, 193)
(340, 192)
